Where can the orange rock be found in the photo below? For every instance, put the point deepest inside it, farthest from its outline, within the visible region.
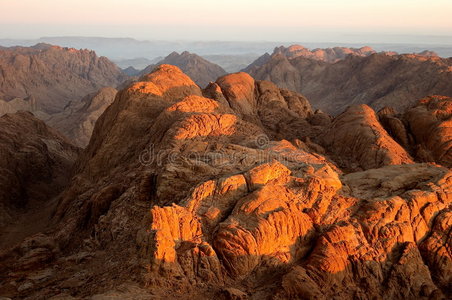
(359, 141)
(432, 128)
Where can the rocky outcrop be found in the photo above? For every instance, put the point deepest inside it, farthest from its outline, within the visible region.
(358, 141)
(77, 120)
(357, 79)
(423, 129)
(54, 76)
(430, 124)
(278, 70)
(193, 193)
(199, 69)
(282, 113)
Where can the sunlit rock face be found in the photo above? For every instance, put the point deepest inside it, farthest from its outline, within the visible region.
(240, 191)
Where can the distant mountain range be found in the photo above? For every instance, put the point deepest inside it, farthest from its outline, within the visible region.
(332, 81)
(237, 52)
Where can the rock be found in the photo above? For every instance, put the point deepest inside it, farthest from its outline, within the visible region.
(238, 89)
(17, 104)
(54, 76)
(333, 79)
(77, 120)
(359, 141)
(394, 126)
(330, 55)
(233, 294)
(179, 195)
(430, 124)
(199, 69)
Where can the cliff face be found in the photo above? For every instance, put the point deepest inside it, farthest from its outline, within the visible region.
(54, 76)
(377, 80)
(199, 69)
(238, 191)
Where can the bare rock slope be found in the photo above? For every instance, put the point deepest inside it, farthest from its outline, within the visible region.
(54, 76)
(377, 80)
(77, 120)
(205, 194)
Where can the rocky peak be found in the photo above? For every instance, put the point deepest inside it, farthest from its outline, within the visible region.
(54, 76)
(198, 68)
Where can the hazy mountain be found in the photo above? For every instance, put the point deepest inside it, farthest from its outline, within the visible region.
(53, 75)
(137, 63)
(128, 48)
(383, 79)
(232, 63)
(198, 68)
(131, 71)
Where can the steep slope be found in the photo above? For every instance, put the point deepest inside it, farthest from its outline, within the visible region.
(377, 80)
(35, 165)
(54, 76)
(189, 193)
(77, 120)
(199, 69)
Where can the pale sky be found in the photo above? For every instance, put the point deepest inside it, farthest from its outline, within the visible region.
(223, 19)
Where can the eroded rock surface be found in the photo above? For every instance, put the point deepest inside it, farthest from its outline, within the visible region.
(358, 140)
(210, 194)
